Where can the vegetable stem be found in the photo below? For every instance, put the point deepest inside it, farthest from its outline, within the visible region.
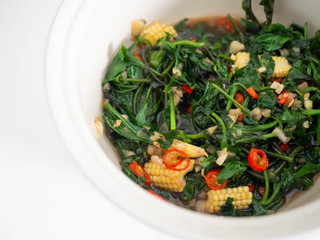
(311, 112)
(280, 156)
(236, 26)
(242, 108)
(189, 43)
(144, 80)
(223, 142)
(266, 189)
(306, 31)
(173, 125)
(233, 91)
(318, 130)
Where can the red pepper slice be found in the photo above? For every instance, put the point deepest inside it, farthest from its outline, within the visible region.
(139, 171)
(212, 180)
(225, 24)
(170, 159)
(136, 55)
(187, 89)
(258, 160)
(276, 80)
(239, 98)
(261, 190)
(157, 195)
(189, 110)
(240, 117)
(252, 92)
(284, 147)
(251, 187)
(284, 97)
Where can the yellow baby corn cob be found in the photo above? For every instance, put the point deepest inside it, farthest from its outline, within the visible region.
(242, 59)
(241, 195)
(167, 179)
(191, 150)
(281, 67)
(154, 31)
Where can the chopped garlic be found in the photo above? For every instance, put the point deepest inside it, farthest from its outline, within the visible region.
(280, 134)
(305, 124)
(177, 95)
(303, 86)
(136, 27)
(275, 85)
(308, 104)
(256, 113)
(106, 86)
(266, 112)
(222, 156)
(211, 130)
(290, 104)
(156, 136)
(279, 89)
(99, 126)
(284, 52)
(236, 46)
(117, 123)
(233, 57)
(306, 95)
(262, 69)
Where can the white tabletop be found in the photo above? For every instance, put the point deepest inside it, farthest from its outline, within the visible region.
(43, 194)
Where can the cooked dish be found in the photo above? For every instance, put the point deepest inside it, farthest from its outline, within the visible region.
(217, 115)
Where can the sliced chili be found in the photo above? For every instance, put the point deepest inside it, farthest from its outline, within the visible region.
(212, 180)
(178, 158)
(284, 147)
(187, 89)
(252, 92)
(189, 110)
(251, 187)
(276, 80)
(258, 160)
(136, 55)
(239, 98)
(139, 171)
(225, 24)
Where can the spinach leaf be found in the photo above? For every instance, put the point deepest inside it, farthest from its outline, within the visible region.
(231, 168)
(258, 210)
(267, 101)
(270, 42)
(307, 169)
(118, 65)
(228, 209)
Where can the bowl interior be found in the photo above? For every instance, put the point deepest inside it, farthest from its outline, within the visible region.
(83, 41)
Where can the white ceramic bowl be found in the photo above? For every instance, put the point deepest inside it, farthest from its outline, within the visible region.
(84, 38)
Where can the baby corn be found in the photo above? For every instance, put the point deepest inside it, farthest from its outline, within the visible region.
(241, 195)
(154, 31)
(191, 150)
(167, 179)
(281, 67)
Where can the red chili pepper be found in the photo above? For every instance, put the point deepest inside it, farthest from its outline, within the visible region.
(157, 195)
(239, 98)
(258, 160)
(212, 180)
(284, 147)
(252, 92)
(261, 190)
(225, 24)
(240, 117)
(172, 162)
(189, 110)
(251, 187)
(136, 55)
(187, 89)
(284, 97)
(276, 80)
(139, 171)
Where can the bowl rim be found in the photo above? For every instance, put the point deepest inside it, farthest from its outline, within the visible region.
(76, 135)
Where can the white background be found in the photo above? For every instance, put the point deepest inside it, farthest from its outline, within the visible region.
(43, 195)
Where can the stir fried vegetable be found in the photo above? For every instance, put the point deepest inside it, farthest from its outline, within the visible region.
(222, 120)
